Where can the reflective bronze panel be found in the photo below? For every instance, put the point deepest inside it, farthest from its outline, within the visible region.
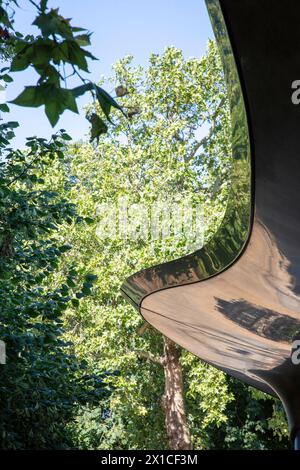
(245, 313)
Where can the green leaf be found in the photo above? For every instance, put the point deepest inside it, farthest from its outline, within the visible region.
(65, 248)
(75, 302)
(106, 101)
(4, 19)
(98, 126)
(43, 5)
(66, 136)
(4, 108)
(87, 285)
(91, 278)
(90, 55)
(7, 78)
(48, 74)
(104, 104)
(32, 96)
(71, 283)
(10, 135)
(19, 63)
(76, 55)
(89, 220)
(58, 100)
(80, 90)
(77, 29)
(83, 40)
(13, 124)
(52, 23)
(39, 53)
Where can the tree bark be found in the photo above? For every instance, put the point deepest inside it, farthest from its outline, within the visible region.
(173, 400)
(6, 246)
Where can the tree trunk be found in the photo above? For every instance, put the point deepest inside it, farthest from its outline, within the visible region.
(173, 399)
(6, 246)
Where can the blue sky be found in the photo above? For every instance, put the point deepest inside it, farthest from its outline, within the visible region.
(119, 27)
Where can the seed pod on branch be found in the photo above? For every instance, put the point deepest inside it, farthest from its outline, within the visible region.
(121, 91)
(132, 112)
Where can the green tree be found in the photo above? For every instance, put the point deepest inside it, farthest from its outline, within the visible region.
(42, 382)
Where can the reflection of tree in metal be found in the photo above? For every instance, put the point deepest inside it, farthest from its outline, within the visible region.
(230, 239)
(262, 321)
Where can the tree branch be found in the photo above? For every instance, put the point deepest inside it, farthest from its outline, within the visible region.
(143, 328)
(148, 356)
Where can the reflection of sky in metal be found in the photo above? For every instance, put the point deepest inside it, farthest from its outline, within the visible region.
(135, 27)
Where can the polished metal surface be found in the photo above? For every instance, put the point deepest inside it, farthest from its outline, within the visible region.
(236, 302)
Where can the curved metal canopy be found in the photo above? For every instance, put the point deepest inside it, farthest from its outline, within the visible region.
(236, 302)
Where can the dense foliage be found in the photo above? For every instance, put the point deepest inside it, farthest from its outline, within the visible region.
(57, 53)
(42, 382)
